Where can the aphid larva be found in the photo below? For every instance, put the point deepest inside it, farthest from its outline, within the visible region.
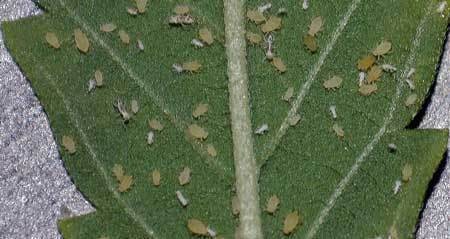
(177, 68)
(180, 20)
(272, 204)
(118, 172)
(206, 36)
(338, 130)
(397, 186)
(122, 110)
(183, 201)
(197, 227)
(279, 64)
(155, 125)
(264, 128)
(150, 137)
(52, 39)
(211, 232)
(200, 110)
(69, 144)
(361, 78)
(305, 4)
(374, 74)
(134, 106)
(124, 37)
(273, 24)
(81, 41)
(98, 75)
(185, 176)
(333, 83)
(291, 222)
(333, 112)
(256, 16)
(392, 148)
(141, 5)
(264, 7)
(108, 27)
(197, 43)
(389, 68)
(310, 43)
(315, 26)
(125, 183)
(411, 100)
(140, 45)
(191, 66)
(156, 178)
(132, 11)
(288, 94)
(383, 48)
(91, 85)
(367, 89)
(197, 132)
(253, 38)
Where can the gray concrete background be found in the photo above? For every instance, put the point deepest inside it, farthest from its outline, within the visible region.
(35, 189)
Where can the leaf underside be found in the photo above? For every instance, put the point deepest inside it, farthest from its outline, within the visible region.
(342, 187)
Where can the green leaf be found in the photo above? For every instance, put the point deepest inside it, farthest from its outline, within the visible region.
(341, 186)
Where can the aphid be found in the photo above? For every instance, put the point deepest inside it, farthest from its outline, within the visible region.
(374, 74)
(197, 43)
(108, 27)
(124, 37)
(305, 4)
(282, 11)
(253, 38)
(310, 43)
(140, 45)
(383, 48)
(333, 83)
(338, 130)
(197, 132)
(272, 204)
(291, 222)
(118, 172)
(134, 106)
(316, 26)
(156, 178)
(141, 5)
(81, 41)
(367, 89)
(177, 68)
(91, 85)
(293, 120)
(269, 39)
(181, 9)
(200, 110)
(180, 20)
(235, 205)
(125, 183)
(441, 8)
(185, 176)
(361, 78)
(150, 137)
(197, 227)
(333, 112)
(68, 144)
(397, 186)
(183, 201)
(366, 62)
(211, 232)
(155, 125)
(264, 128)
(411, 100)
(256, 16)
(206, 36)
(389, 68)
(132, 11)
(264, 7)
(279, 64)
(393, 234)
(274, 23)
(211, 150)
(52, 39)
(122, 110)
(410, 84)
(98, 76)
(407, 172)
(392, 148)
(288, 94)
(191, 66)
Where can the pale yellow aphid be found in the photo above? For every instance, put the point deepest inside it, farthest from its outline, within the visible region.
(338, 130)
(108, 27)
(200, 110)
(124, 37)
(383, 48)
(181, 9)
(235, 205)
(206, 36)
(211, 150)
(68, 144)
(81, 41)
(197, 227)
(366, 62)
(367, 89)
(374, 74)
(134, 106)
(197, 132)
(52, 39)
(288, 94)
(274, 23)
(407, 172)
(293, 120)
(191, 66)
(141, 6)
(256, 16)
(272, 204)
(125, 183)
(411, 100)
(253, 38)
(98, 75)
(185, 176)
(279, 64)
(291, 222)
(333, 83)
(155, 124)
(118, 172)
(316, 26)
(310, 43)
(156, 178)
